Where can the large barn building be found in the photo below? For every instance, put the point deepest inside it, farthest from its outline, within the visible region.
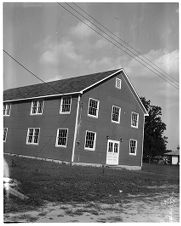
(96, 119)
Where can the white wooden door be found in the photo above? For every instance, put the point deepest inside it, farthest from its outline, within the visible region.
(112, 152)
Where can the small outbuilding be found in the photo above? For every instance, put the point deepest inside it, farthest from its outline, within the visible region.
(173, 157)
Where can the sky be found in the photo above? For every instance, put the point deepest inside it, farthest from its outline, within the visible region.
(53, 44)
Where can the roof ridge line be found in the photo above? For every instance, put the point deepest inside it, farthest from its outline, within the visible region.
(64, 79)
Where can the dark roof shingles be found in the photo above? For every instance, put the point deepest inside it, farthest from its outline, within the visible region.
(69, 85)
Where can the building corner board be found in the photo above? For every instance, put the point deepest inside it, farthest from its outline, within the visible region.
(75, 131)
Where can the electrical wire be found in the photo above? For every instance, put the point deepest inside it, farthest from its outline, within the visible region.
(36, 76)
(137, 59)
(129, 46)
(168, 79)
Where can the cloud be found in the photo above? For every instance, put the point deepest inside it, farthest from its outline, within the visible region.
(81, 30)
(101, 43)
(63, 57)
(167, 61)
(150, 85)
(56, 51)
(63, 54)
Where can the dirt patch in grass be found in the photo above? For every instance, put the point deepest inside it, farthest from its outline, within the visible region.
(79, 212)
(115, 219)
(164, 207)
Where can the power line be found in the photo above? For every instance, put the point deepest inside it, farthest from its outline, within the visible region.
(168, 79)
(129, 46)
(36, 76)
(139, 60)
(23, 66)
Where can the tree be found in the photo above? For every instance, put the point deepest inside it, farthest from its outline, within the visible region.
(154, 139)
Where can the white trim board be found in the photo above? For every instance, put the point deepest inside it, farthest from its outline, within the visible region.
(38, 158)
(40, 97)
(133, 91)
(64, 94)
(118, 167)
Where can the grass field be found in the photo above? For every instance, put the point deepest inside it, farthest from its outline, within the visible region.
(46, 181)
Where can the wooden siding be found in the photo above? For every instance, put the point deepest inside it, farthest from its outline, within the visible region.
(20, 120)
(108, 95)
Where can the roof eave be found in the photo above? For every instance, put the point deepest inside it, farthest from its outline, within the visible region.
(136, 94)
(109, 76)
(40, 97)
(63, 94)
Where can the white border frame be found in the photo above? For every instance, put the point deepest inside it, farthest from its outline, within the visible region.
(32, 106)
(27, 135)
(94, 145)
(97, 113)
(119, 114)
(137, 120)
(134, 154)
(56, 141)
(61, 100)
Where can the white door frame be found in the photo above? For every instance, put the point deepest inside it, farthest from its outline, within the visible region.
(112, 158)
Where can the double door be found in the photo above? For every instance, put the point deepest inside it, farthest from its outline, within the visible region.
(112, 152)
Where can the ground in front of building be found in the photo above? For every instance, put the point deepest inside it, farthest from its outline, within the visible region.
(64, 193)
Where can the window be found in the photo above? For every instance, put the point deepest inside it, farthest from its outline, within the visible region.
(132, 147)
(62, 137)
(118, 83)
(65, 105)
(90, 140)
(134, 119)
(93, 108)
(113, 146)
(33, 136)
(110, 149)
(6, 109)
(115, 116)
(37, 107)
(5, 133)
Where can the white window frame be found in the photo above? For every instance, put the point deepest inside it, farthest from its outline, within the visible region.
(117, 122)
(56, 142)
(38, 103)
(135, 147)
(132, 119)
(6, 104)
(27, 136)
(4, 140)
(61, 102)
(97, 112)
(94, 144)
(116, 83)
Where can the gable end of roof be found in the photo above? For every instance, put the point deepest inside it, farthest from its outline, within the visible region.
(69, 86)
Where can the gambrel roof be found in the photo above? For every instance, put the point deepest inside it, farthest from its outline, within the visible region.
(73, 85)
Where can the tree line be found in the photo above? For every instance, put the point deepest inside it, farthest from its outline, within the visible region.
(154, 140)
